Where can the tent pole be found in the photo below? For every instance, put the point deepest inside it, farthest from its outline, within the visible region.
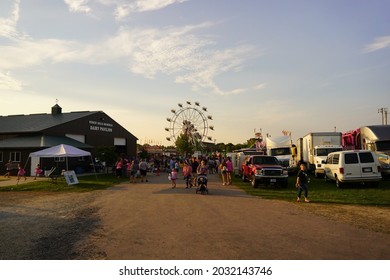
(26, 164)
(94, 169)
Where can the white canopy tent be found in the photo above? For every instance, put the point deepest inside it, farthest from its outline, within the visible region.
(62, 150)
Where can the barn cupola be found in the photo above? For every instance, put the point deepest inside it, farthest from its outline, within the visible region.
(56, 110)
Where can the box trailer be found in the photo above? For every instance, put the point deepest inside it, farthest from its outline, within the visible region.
(315, 147)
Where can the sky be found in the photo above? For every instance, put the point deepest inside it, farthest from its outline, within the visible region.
(257, 65)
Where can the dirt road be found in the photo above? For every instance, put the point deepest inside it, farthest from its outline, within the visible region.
(152, 221)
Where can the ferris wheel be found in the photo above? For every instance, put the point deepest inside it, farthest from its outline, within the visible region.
(190, 120)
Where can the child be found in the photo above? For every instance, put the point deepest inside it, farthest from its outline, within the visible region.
(9, 168)
(173, 177)
(223, 169)
(187, 172)
(301, 184)
(38, 171)
(133, 171)
(21, 172)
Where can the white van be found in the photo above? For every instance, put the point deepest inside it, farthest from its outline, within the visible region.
(360, 166)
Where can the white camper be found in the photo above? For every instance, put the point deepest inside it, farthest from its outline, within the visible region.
(377, 138)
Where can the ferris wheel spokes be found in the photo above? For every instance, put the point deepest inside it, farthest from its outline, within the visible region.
(190, 121)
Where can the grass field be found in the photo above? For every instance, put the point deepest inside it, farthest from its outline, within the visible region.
(86, 183)
(325, 192)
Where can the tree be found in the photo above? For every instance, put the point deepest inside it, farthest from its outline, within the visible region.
(183, 145)
(220, 147)
(229, 147)
(143, 153)
(240, 146)
(107, 155)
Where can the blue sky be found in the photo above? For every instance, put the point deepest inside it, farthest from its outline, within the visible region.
(300, 66)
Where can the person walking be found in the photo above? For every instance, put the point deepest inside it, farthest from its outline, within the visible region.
(202, 168)
(301, 185)
(187, 173)
(118, 167)
(229, 171)
(157, 166)
(21, 173)
(211, 164)
(38, 171)
(143, 168)
(125, 162)
(128, 169)
(173, 177)
(194, 167)
(223, 169)
(177, 165)
(8, 167)
(133, 171)
(171, 163)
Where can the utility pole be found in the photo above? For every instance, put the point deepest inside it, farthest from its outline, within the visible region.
(383, 111)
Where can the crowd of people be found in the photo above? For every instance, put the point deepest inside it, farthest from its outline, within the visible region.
(188, 167)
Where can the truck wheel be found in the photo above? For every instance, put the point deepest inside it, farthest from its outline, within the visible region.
(284, 184)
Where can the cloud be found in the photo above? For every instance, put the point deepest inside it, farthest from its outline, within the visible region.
(78, 6)
(9, 83)
(378, 44)
(150, 5)
(260, 86)
(238, 90)
(27, 53)
(8, 26)
(173, 51)
(125, 9)
(122, 8)
(201, 69)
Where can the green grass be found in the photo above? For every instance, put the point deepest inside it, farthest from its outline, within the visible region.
(325, 192)
(86, 183)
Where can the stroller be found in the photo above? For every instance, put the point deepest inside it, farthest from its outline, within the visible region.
(202, 184)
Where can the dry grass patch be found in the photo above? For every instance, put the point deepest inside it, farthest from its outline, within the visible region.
(368, 217)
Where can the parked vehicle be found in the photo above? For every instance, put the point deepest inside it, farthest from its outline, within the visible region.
(360, 166)
(374, 138)
(314, 148)
(261, 169)
(281, 148)
(238, 157)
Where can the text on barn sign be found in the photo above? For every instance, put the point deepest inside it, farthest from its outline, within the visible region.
(100, 126)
